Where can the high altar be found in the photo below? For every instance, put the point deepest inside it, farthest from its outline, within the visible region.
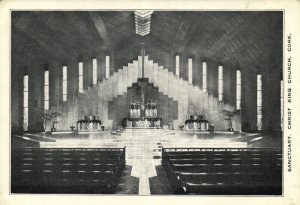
(142, 110)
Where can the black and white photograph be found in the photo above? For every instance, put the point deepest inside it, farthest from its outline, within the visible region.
(147, 102)
(141, 102)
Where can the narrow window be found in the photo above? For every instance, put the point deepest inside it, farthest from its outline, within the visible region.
(95, 72)
(238, 89)
(25, 102)
(259, 102)
(65, 81)
(204, 77)
(281, 103)
(46, 90)
(177, 66)
(80, 77)
(107, 66)
(190, 67)
(220, 82)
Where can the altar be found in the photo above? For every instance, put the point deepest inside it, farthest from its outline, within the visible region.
(89, 123)
(197, 122)
(142, 108)
(142, 114)
(142, 122)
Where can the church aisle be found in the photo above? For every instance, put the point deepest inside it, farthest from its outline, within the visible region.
(141, 154)
(128, 184)
(160, 185)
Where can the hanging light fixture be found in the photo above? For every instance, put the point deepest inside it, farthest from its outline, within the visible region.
(142, 21)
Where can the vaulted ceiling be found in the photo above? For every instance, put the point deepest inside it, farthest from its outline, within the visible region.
(245, 38)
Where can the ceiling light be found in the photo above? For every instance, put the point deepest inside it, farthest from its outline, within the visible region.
(142, 21)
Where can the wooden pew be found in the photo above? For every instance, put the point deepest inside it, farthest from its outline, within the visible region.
(73, 170)
(245, 171)
(221, 160)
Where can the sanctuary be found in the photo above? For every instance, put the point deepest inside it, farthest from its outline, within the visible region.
(146, 102)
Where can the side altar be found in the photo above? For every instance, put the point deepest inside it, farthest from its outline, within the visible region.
(198, 122)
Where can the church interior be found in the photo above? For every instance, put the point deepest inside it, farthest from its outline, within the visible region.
(146, 102)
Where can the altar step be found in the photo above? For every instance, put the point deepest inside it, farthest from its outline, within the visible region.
(142, 128)
(143, 143)
(116, 133)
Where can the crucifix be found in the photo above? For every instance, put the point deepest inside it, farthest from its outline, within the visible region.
(142, 84)
(143, 60)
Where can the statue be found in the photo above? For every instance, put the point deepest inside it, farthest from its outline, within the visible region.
(51, 116)
(228, 116)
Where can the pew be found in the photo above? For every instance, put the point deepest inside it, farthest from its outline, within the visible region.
(235, 171)
(67, 170)
(221, 160)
